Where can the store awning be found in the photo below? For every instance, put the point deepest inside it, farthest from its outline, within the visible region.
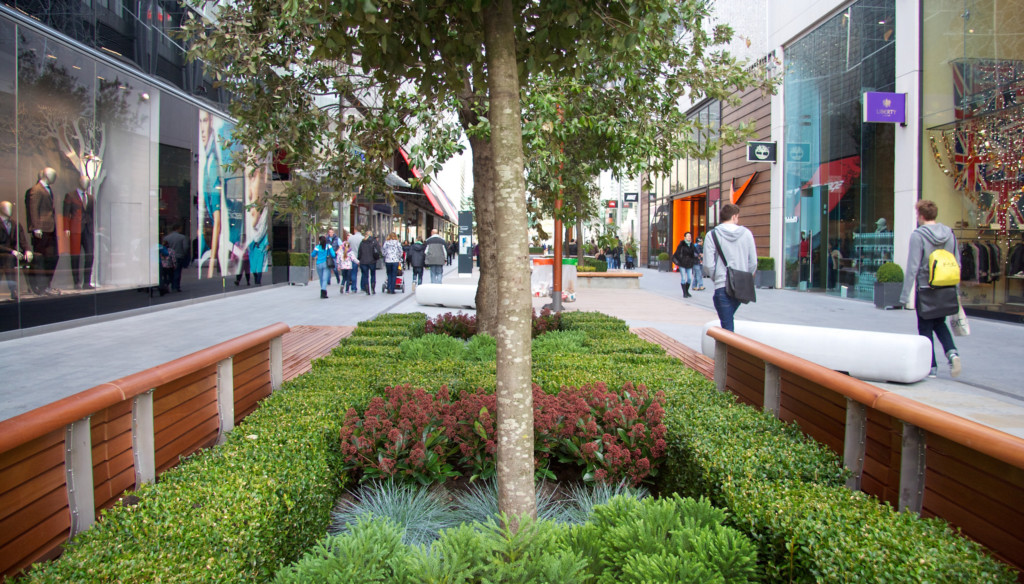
(838, 176)
(437, 197)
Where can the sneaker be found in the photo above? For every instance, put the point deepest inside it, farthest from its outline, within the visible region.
(954, 364)
(933, 373)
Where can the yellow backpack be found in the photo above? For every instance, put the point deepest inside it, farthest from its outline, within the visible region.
(943, 269)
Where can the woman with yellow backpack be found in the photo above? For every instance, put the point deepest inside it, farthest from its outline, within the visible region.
(933, 273)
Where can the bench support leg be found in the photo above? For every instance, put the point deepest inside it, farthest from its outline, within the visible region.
(855, 441)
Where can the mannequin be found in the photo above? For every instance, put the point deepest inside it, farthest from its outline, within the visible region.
(13, 247)
(42, 226)
(78, 226)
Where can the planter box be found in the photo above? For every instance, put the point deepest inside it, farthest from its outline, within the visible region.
(298, 275)
(664, 265)
(887, 294)
(764, 279)
(279, 274)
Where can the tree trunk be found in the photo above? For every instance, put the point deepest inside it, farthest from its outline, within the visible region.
(483, 201)
(516, 494)
(579, 240)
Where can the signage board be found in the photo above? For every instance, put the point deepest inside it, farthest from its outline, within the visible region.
(798, 152)
(612, 204)
(631, 197)
(885, 108)
(761, 152)
(465, 244)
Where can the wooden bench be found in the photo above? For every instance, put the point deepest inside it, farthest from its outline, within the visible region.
(615, 279)
(690, 357)
(305, 343)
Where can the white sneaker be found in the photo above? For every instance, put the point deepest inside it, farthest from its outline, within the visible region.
(933, 372)
(954, 365)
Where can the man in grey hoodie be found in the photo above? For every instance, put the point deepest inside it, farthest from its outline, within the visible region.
(739, 250)
(928, 237)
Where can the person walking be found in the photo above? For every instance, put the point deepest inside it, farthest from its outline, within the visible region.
(417, 257)
(436, 256)
(353, 273)
(369, 253)
(392, 252)
(320, 253)
(685, 257)
(179, 243)
(344, 263)
(698, 273)
(739, 251)
(929, 236)
(335, 242)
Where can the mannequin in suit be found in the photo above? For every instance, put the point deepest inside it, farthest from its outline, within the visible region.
(78, 225)
(13, 247)
(42, 226)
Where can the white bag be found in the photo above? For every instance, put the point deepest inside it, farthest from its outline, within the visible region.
(958, 322)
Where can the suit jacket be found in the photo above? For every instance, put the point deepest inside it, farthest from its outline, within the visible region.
(10, 240)
(39, 203)
(78, 219)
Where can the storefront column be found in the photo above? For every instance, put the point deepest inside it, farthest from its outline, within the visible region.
(907, 159)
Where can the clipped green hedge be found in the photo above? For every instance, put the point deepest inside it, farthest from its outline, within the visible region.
(242, 510)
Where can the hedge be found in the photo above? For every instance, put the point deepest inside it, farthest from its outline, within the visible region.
(241, 511)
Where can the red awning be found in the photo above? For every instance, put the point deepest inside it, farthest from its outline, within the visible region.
(426, 189)
(838, 176)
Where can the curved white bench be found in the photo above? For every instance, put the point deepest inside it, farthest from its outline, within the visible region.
(451, 295)
(868, 355)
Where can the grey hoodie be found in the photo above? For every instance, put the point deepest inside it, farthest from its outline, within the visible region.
(738, 248)
(923, 241)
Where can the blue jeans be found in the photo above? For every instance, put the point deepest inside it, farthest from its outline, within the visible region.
(436, 274)
(369, 277)
(352, 281)
(927, 326)
(392, 270)
(686, 275)
(698, 276)
(726, 307)
(325, 275)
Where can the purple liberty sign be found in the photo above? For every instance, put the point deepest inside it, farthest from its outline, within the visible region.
(887, 108)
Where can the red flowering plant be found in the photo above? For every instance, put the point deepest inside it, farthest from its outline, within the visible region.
(413, 435)
(402, 436)
(463, 326)
(615, 435)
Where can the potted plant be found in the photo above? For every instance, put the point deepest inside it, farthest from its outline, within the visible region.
(765, 275)
(298, 268)
(888, 285)
(279, 266)
(664, 262)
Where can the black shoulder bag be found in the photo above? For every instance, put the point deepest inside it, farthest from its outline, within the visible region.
(739, 285)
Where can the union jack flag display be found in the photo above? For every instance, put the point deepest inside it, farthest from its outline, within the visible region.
(989, 140)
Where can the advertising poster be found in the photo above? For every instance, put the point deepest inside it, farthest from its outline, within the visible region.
(233, 220)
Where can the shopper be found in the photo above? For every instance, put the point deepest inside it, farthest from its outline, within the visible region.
(320, 253)
(740, 253)
(369, 254)
(416, 258)
(698, 273)
(392, 258)
(685, 257)
(929, 236)
(436, 256)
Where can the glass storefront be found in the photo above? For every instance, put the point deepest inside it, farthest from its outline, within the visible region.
(680, 201)
(973, 140)
(98, 187)
(838, 201)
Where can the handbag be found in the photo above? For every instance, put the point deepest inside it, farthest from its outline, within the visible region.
(330, 261)
(937, 301)
(739, 285)
(959, 324)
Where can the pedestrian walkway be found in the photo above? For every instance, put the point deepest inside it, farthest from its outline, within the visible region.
(39, 369)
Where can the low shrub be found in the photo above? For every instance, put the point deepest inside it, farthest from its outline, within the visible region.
(431, 347)
(765, 263)
(598, 265)
(464, 326)
(559, 343)
(625, 540)
(889, 272)
(298, 259)
(482, 347)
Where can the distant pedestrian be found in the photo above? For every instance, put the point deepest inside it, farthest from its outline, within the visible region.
(416, 258)
(740, 253)
(453, 251)
(436, 255)
(320, 254)
(685, 257)
(698, 273)
(344, 262)
(392, 251)
(928, 237)
(334, 241)
(369, 254)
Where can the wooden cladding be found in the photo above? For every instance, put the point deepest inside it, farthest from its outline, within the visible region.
(34, 515)
(37, 509)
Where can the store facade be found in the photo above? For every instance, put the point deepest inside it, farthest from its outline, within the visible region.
(972, 159)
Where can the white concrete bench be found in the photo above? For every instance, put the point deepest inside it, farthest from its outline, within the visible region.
(450, 295)
(608, 279)
(867, 355)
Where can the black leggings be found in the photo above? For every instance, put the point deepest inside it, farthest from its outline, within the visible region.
(927, 326)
